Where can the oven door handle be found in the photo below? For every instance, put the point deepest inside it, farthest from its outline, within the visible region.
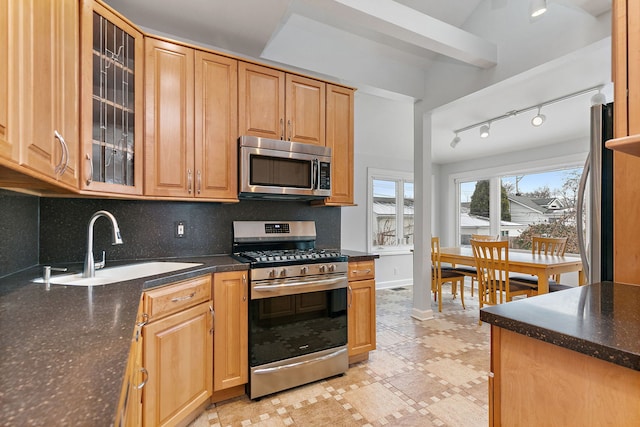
(306, 362)
(275, 288)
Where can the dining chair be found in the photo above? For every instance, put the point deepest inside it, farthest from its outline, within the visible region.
(471, 271)
(554, 246)
(440, 275)
(492, 263)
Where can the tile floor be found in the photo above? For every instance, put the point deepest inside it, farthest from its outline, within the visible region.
(430, 373)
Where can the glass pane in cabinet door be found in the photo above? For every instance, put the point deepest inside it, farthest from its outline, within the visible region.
(113, 104)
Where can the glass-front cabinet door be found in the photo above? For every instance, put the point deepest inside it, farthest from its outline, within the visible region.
(112, 102)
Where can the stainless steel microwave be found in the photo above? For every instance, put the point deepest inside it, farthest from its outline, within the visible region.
(273, 168)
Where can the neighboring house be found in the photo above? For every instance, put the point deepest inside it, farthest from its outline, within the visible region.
(384, 229)
(527, 210)
(472, 224)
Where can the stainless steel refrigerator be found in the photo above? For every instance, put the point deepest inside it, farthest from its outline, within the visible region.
(595, 220)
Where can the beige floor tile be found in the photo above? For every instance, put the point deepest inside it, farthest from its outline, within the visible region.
(374, 401)
(456, 411)
(452, 372)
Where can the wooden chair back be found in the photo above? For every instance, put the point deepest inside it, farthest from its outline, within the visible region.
(492, 264)
(549, 246)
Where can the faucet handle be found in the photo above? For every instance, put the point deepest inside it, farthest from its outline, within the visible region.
(46, 274)
(102, 263)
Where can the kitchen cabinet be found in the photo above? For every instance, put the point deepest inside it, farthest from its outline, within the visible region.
(361, 310)
(626, 160)
(39, 105)
(6, 149)
(111, 102)
(278, 105)
(191, 123)
(130, 406)
(177, 353)
(230, 336)
(339, 138)
(535, 383)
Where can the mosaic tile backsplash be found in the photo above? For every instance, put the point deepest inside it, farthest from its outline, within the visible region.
(147, 227)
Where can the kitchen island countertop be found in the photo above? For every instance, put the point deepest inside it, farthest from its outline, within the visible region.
(601, 320)
(63, 352)
(359, 256)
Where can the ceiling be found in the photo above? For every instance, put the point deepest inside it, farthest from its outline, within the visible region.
(387, 48)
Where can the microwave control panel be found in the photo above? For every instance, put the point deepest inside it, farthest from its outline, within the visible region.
(325, 176)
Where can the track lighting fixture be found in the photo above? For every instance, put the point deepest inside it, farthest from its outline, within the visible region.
(455, 141)
(538, 119)
(537, 7)
(484, 130)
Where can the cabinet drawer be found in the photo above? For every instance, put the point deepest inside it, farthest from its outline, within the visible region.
(172, 298)
(361, 270)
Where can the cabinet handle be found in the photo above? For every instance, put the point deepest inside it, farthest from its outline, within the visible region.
(64, 155)
(184, 298)
(355, 272)
(199, 181)
(90, 179)
(213, 319)
(289, 127)
(189, 181)
(145, 320)
(146, 378)
(281, 128)
(350, 298)
(244, 283)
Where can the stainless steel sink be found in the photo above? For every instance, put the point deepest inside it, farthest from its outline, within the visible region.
(109, 275)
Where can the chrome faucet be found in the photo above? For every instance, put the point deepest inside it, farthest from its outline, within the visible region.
(89, 262)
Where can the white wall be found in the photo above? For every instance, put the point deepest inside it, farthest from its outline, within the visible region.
(383, 134)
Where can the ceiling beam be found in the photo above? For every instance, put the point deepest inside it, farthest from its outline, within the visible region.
(406, 24)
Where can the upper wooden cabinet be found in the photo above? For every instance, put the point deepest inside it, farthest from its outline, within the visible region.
(626, 76)
(5, 144)
(340, 139)
(277, 105)
(112, 102)
(191, 122)
(39, 104)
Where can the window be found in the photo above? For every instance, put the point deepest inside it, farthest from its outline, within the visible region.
(537, 203)
(390, 208)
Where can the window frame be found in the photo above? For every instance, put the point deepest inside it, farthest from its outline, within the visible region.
(400, 177)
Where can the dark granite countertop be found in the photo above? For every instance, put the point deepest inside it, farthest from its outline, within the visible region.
(600, 320)
(63, 352)
(358, 256)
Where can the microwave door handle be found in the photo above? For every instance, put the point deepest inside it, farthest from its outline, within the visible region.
(315, 171)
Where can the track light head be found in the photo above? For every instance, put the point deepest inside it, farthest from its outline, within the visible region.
(484, 131)
(537, 7)
(538, 119)
(455, 141)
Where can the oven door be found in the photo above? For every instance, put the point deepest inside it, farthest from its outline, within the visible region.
(293, 317)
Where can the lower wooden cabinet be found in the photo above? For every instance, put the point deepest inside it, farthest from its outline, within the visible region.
(129, 411)
(361, 310)
(178, 351)
(230, 336)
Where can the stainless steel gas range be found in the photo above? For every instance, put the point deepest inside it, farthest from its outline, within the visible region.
(297, 307)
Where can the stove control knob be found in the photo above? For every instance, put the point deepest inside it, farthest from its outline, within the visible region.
(322, 268)
(304, 270)
(273, 273)
(283, 272)
(332, 267)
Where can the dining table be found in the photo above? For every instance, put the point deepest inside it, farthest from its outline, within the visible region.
(522, 261)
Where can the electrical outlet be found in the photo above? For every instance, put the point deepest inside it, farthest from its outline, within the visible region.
(180, 229)
(395, 271)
